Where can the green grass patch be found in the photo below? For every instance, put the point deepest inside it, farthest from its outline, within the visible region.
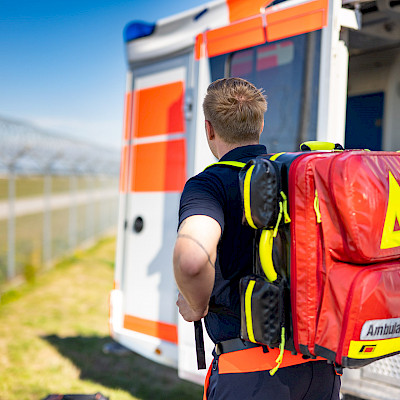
(53, 329)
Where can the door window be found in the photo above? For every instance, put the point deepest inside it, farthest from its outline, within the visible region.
(288, 71)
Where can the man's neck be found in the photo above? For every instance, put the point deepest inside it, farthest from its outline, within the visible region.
(224, 148)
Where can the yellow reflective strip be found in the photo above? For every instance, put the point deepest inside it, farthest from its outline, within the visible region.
(208, 166)
(265, 249)
(285, 208)
(231, 163)
(316, 207)
(275, 156)
(246, 197)
(364, 349)
(247, 309)
(279, 359)
(279, 219)
(317, 145)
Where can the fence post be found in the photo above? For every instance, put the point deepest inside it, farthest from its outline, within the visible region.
(11, 225)
(47, 218)
(90, 234)
(72, 212)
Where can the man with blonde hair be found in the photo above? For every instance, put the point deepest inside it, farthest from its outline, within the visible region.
(213, 251)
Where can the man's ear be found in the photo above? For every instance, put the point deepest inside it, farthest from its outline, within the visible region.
(209, 130)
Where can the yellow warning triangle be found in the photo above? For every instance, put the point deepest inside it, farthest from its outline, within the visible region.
(390, 235)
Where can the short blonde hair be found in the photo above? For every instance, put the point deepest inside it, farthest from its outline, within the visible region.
(235, 108)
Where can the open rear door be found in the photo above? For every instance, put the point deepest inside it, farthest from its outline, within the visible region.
(155, 157)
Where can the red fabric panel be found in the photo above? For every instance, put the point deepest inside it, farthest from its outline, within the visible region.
(344, 271)
(352, 297)
(354, 197)
(307, 266)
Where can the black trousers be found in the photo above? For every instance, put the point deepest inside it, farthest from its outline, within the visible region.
(315, 380)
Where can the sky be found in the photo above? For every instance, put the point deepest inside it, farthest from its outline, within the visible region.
(63, 65)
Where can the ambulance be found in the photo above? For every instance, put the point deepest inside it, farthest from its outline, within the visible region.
(331, 72)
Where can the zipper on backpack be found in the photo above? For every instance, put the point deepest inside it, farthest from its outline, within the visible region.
(316, 207)
(285, 208)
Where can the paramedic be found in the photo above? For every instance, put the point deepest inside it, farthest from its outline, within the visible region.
(213, 250)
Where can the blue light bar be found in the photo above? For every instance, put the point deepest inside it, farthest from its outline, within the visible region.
(137, 29)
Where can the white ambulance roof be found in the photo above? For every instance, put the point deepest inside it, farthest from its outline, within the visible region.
(174, 34)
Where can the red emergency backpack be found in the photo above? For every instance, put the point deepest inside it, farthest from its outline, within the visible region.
(328, 241)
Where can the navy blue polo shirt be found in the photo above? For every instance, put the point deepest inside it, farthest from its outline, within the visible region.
(215, 192)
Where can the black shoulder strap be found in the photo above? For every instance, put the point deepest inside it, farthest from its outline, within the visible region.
(200, 352)
(198, 326)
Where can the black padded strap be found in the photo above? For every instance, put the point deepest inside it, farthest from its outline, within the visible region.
(200, 352)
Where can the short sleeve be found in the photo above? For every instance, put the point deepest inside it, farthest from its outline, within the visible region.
(202, 195)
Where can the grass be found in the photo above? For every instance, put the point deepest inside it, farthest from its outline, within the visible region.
(52, 331)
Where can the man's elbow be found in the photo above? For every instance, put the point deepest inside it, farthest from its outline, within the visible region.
(187, 264)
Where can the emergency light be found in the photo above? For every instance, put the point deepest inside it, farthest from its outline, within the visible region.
(137, 29)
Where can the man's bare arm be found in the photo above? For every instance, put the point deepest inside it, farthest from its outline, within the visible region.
(194, 264)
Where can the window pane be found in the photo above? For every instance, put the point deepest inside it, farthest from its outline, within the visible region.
(288, 71)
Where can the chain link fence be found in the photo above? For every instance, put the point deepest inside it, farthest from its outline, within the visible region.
(55, 194)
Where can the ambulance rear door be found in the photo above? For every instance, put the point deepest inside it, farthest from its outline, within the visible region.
(153, 176)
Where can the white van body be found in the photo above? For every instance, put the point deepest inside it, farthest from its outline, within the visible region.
(331, 72)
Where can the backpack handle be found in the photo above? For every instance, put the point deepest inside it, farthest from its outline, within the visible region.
(317, 145)
(265, 252)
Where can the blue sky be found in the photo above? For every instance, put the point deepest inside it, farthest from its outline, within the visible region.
(62, 62)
